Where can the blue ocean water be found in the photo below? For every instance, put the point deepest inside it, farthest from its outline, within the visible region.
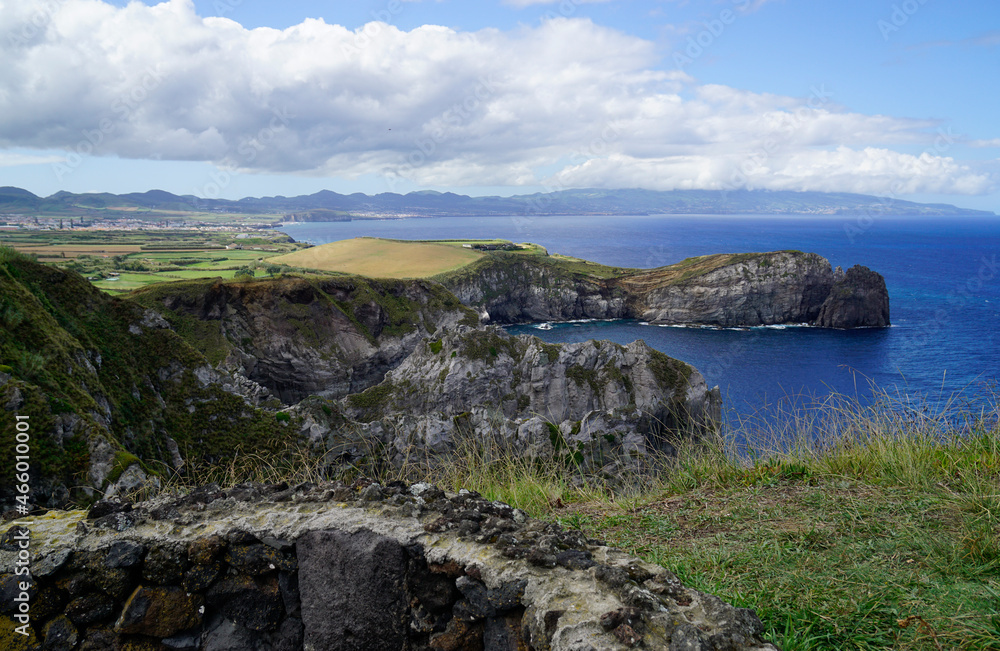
(942, 275)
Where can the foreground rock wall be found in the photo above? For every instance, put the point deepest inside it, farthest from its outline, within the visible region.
(360, 567)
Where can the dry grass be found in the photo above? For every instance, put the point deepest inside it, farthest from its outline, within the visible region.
(376, 258)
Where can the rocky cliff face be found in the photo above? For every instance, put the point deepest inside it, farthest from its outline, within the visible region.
(332, 567)
(102, 383)
(748, 289)
(307, 336)
(186, 373)
(599, 404)
(515, 288)
(751, 290)
(858, 299)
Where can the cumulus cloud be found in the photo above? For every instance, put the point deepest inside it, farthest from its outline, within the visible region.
(15, 159)
(432, 105)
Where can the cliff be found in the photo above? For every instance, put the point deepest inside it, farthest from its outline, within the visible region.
(517, 288)
(311, 335)
(747, 289)
(332, 567)
(121, 393)
(858, 298)
(110, 392)
(600, 406)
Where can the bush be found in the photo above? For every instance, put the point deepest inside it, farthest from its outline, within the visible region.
(244, 273)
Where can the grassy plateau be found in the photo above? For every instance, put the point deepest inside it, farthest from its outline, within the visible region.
(381, 258)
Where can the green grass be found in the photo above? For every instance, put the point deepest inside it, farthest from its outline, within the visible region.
(882, 535)
(874, 528)
(142, 258)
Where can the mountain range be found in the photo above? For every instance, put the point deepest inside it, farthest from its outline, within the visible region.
(329, 206)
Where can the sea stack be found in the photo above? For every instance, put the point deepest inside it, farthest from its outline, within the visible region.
(858, 299)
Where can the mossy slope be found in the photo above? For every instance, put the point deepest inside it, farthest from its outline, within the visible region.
(83, 365)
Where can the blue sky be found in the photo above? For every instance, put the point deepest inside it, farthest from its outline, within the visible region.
(243, 97)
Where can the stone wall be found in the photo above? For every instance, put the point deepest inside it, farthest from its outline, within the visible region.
(337, 566)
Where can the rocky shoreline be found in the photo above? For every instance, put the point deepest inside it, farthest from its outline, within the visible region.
(749, 289)
(185, 372)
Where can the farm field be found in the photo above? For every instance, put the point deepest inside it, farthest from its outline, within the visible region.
(120, 261)
(379, 258)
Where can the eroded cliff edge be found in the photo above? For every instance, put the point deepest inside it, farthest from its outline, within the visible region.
(600, 406)
(121, 393)
(725, 290)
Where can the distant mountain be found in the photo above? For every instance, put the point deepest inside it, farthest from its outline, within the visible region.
(326, 205)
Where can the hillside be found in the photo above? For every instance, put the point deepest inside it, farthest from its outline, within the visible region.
(331, 206)
(105, 382)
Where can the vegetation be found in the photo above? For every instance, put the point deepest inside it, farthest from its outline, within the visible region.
(81, 363)
(121, 261)
(378, 258)
(874, 528)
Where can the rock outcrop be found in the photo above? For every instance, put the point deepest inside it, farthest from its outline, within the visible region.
(104, 383)
(361, 567)
(183, 374)
(726, 290)
(515, 288)
(748, 290)
(858, 299)
(602, 405)
(302, 336)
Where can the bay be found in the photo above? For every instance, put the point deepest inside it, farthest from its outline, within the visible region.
(942, 274)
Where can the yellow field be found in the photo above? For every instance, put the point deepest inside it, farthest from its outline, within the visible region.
(375, 258)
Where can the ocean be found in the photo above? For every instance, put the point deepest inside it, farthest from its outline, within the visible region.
(942, 274)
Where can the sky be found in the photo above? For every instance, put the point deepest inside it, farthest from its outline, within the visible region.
(235, 98)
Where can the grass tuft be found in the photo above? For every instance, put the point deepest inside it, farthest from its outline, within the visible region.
(852, 526)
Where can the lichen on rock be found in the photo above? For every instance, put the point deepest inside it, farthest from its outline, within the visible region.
(358, 566)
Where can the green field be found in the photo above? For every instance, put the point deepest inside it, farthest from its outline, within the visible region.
(378, 258)
(121, 261)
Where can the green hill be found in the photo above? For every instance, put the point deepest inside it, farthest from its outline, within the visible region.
(104, 383)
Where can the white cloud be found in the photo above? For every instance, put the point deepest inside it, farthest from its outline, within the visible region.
(13, 159)
(433, 105)
(992, 142)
